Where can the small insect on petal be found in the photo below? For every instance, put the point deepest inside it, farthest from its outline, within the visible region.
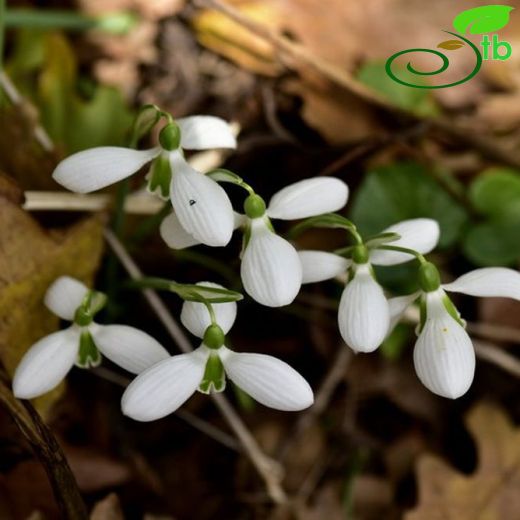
(201, 205)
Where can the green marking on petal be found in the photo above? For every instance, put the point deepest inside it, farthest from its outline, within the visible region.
(88, 355)
(214, 379)
(160, 177)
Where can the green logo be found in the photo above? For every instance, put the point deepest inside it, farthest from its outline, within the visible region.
(480, 20)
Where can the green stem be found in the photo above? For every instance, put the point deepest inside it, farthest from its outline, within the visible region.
(406, 250)
(211, 312)
(51, 19)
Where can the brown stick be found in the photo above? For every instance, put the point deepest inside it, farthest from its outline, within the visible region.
(344, 80)
(48, 451)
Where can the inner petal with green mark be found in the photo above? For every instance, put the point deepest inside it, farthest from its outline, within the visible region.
(214, 379)
(88, 354)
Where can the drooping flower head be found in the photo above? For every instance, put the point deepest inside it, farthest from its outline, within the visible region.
(163, 388)
(444, 356)
(49, 360)
(271, 270)
(364, 313)
(201, 205)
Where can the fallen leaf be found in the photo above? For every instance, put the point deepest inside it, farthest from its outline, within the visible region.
(491, 492)
(31, 259)
(451, 45)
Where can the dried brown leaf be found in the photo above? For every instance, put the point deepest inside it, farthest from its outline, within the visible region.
(491, 492)
(31, 259)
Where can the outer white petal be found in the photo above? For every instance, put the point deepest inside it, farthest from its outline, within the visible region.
(444, 357)
(64, 296)
(130, 348)
(174, 234)
(93, 169)
(488, 281)
(364, 315)
(204, 132)
(195, 316)
(271, 269)
(318, 266)
(398, 306)
(420, 234)
(202, 206)
(46, 364)
(268, 380)
(161, 389)
(308, 198)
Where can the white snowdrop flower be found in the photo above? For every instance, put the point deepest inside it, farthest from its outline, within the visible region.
(201, 205)
(363, 315)
(164, 387)
(271, 269)
(49, 360)
(444, 357)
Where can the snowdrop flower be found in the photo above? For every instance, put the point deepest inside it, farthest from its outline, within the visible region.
(49, 360)
(444, 357)
(201, 205)
(364, 313)
(271, 270)
(163, 388)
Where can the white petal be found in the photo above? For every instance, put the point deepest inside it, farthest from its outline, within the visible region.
(205, 132)
(268, 380)
(130, 348)
(64, 296)
(308, 198)
(161, 389)
(420, 234)
(271, 270)
(93, 169)
(364, 315)
(444, 357)
(46, 364)
(195, 316)
(202, 206)
(398, 306)
(318, 266)
(488, 281)
(174, 234)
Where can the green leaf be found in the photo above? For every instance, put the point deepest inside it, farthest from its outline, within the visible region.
(416, 100)
(484, 19)
(395, 344)
(493, 243)
(451, 45)
(496, 192)
(402, 191)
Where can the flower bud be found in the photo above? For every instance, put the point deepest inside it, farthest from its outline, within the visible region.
(429, 278)
(254, 206)
(170, 137)
(214, 337)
